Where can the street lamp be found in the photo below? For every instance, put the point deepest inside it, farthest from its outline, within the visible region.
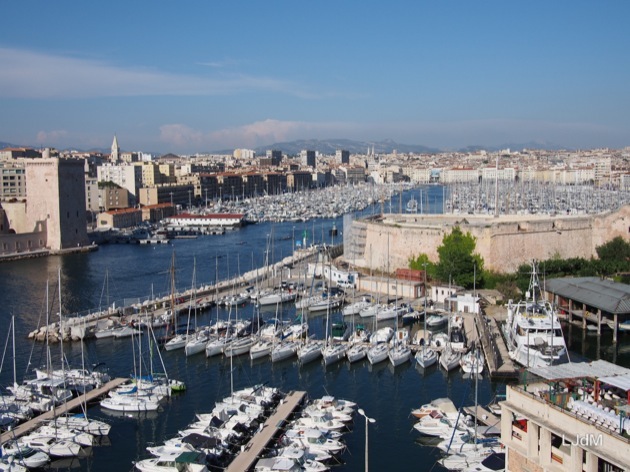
(367, 420)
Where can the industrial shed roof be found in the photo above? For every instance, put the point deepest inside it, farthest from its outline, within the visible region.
(606, 295)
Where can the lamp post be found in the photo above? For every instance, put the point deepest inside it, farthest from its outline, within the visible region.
(367, 420)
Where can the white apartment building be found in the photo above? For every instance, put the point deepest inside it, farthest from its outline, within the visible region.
(128, 177)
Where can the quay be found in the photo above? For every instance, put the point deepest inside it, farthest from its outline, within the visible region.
(74, 327)
(248, 455)
(494, 348)
(89, 397)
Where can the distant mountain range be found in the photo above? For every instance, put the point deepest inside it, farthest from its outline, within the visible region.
(387, 146)
(329, 146)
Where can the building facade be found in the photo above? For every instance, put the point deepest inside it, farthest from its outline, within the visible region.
(56, 198)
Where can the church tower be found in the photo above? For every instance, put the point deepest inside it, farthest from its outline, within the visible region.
(114, 157)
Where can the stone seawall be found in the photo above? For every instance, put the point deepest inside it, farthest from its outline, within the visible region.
(504, 243)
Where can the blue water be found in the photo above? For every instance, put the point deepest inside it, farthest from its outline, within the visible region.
(126, 273)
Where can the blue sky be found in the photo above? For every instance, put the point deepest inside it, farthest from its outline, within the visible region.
(198, 76)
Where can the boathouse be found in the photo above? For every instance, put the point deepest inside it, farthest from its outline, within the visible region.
(600, 302)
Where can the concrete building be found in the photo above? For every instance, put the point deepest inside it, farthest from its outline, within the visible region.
(174, 194)
(56, 198)
(92, 202)
(299, 180)
(275, 156)
(124, 218)
(12, 180)
(573, 419)
(11, 154)
(113, 198)
(307, 158)
(129, 177)
(342, 156)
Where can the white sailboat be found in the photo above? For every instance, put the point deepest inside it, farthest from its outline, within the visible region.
(426, 356)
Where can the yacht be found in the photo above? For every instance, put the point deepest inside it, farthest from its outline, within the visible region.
(532, 331)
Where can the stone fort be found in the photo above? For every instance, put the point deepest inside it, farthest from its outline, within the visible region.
(388, 241)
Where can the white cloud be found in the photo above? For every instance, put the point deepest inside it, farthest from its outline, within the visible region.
(181, 136)
(28, 74)
(51, 137)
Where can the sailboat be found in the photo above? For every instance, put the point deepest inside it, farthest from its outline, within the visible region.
(399, 352)
(426, 356)
(333, 351)
(312, 348)
(197, 341)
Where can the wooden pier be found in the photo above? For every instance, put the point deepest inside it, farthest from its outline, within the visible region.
(72, 405)
(247, 457)
(494, 349)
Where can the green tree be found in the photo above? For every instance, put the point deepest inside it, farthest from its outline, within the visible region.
(616, 249)
(422, 261)
(458, 262)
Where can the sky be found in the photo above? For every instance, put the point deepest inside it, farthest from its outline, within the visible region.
(201, 76)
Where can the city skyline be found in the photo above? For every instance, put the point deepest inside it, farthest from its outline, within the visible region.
(201, 76)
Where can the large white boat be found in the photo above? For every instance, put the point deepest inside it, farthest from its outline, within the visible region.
(532, 331)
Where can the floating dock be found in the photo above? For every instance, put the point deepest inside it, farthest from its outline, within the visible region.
(249, 454)
(72, 405)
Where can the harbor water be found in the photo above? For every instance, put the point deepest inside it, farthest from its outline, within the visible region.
(124, 274)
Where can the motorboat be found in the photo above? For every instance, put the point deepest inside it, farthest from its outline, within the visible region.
(176, 462)
(314, 439)
(69, 434)
(25, 455)
(436, 321)
(131, 403)
(81, 422)
(532, 330)
(51, 445)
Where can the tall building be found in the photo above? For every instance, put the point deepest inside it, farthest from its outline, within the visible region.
(342, 156)
(56, 198)
(308, 158)
(275, 156)
(115, 154)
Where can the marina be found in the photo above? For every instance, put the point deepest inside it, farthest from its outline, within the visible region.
(208, 378)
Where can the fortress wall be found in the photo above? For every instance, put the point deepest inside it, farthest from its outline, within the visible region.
(504, 243)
